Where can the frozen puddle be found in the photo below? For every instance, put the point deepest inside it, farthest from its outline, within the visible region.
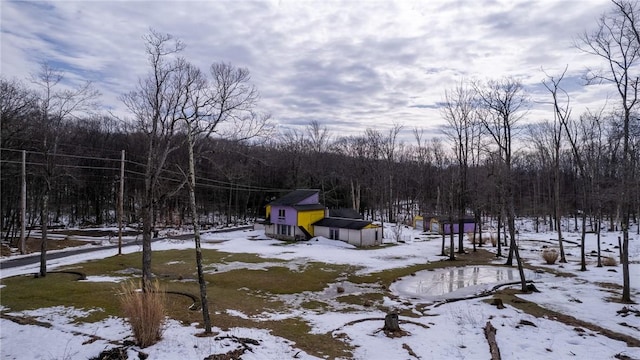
(458, 282)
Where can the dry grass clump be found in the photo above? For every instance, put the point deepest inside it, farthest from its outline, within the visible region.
(145, 311)
(550, 256)
(609, 261)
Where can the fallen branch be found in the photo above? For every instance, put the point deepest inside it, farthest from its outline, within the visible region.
(482, 294)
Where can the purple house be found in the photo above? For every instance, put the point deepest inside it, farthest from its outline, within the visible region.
(444, 226)
(291, 216)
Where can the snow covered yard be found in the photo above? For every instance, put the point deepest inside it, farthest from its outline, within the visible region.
(435, 330)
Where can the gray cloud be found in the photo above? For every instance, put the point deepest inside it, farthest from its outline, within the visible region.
(349, 64)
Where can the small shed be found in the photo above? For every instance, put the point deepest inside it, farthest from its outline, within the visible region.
(443, 224)
(356, 232)
(418, 222)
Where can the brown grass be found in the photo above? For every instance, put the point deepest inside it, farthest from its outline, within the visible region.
(609, 261)
(550, 256)
(145, 312)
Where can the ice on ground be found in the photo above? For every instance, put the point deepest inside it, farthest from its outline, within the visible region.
(456, 282)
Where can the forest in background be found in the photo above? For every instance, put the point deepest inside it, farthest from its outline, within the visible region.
(384, 178)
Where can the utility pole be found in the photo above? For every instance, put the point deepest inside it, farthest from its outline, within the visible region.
(23, 204)
(121, 204)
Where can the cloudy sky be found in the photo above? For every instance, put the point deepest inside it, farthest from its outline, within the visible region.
(350, 65)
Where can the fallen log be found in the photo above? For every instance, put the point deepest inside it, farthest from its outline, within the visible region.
(490, 334)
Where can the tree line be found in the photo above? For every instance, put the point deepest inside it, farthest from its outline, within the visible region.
(376, 173)
(199, 153)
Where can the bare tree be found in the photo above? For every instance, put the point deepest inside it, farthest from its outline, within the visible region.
(389, 147)
(561, 115)
(57, 104)
(318, 136)
(505, 104)
(590, 132)
(616, 41)
(546, 138)
(17, 105)
(204, 108)
(459, 112)
(154, 104)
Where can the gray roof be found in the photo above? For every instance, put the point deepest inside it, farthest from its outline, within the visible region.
(294, 197)
(345, 213)
(341, 223)
(304, 207)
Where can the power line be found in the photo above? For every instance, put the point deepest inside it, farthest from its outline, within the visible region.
(201, 181)
(61, 155)
(61, 165)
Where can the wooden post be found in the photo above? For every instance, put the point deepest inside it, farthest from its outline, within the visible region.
(23, 205)
(121, 204)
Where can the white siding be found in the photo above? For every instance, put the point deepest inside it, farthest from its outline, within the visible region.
(360, 238)
(321, 231)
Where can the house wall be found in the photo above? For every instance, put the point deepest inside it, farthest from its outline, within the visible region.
(360, 238)
(306, 218)
(321, 231)
(468, 227)
(435, 226)
(418, 222)
(290, 215)
(369, 237)
(290, 218)
(353, 237)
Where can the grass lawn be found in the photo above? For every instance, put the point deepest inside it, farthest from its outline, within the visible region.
(247, 284)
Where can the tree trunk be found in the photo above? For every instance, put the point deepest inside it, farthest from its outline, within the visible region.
(514, 246)
(583, 258)
(460, 234)
(196, 231)
(147, 220)
(452, 255)
(44, 221)
(499, 238)
(598, 225)
(558, 211)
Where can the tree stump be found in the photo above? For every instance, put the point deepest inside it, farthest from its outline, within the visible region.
(498, 303)
(490, 334)
(391, 323)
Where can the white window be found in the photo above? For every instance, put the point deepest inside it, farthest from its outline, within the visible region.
(281, 213)
(334, 234)
(284, 230)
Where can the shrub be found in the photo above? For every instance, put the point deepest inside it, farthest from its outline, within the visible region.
(550, 256)
(477, 238)
(144, 311)
(609, 261)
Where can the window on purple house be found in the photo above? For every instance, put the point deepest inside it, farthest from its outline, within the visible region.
(281, 213)
(284, 230)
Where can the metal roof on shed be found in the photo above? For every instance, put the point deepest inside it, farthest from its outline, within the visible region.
(341, 223)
